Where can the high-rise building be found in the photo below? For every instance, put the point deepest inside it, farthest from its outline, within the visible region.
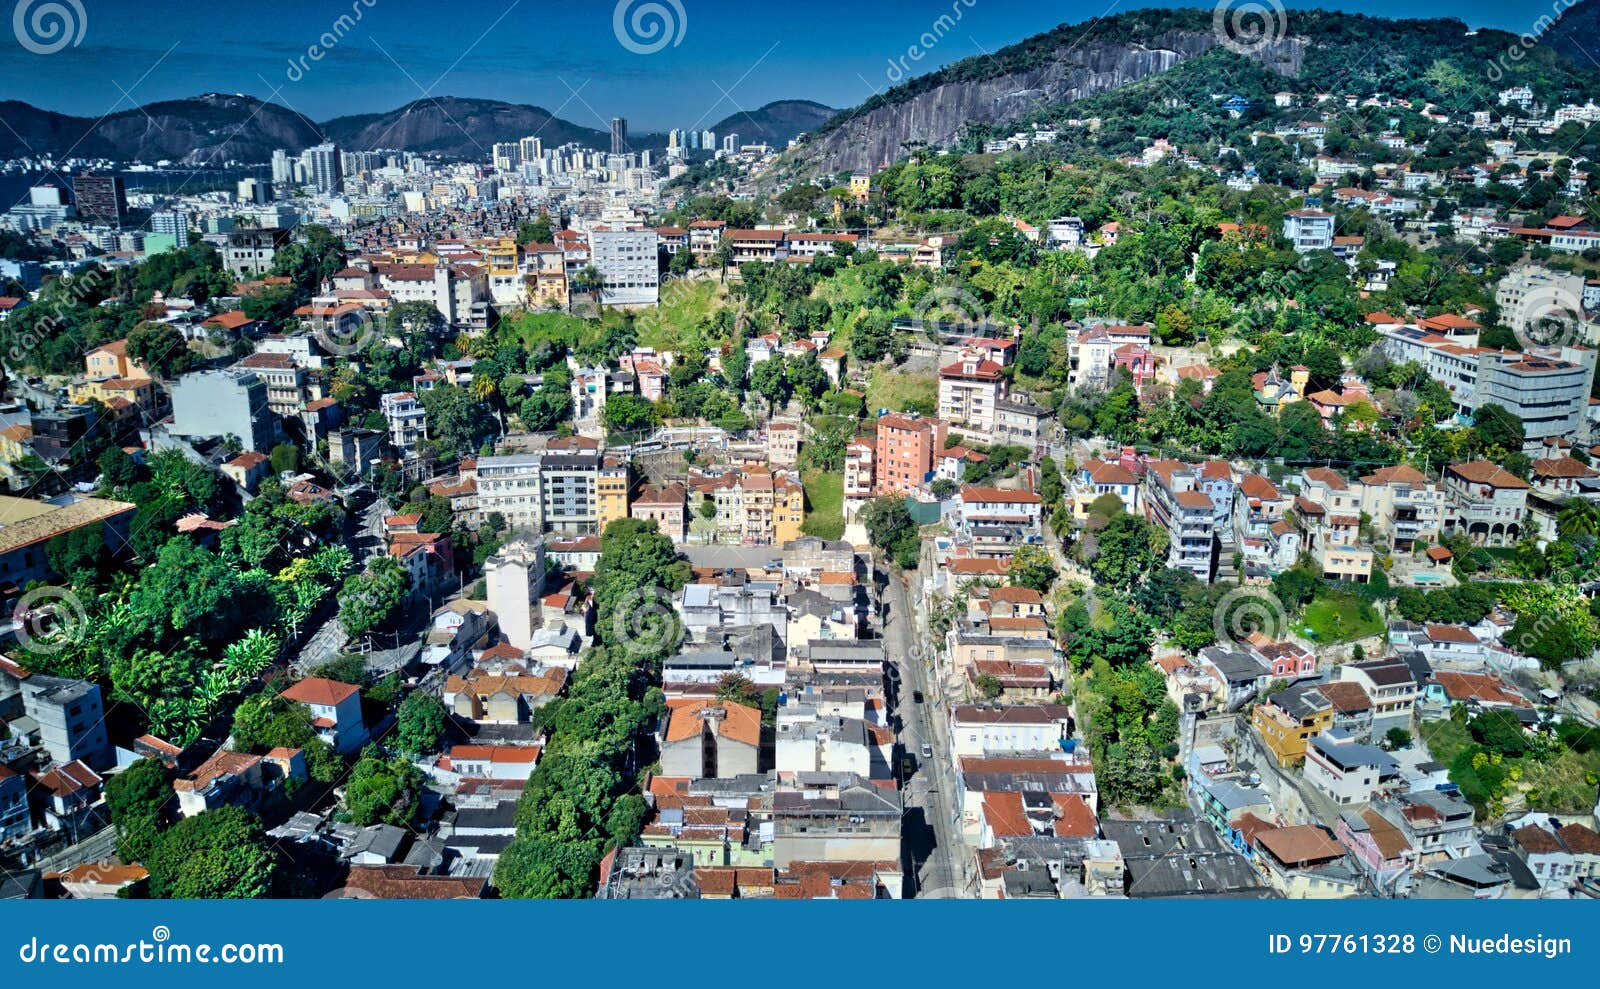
(506, 156)
(171, 222)
(619, 135)
(627, 261)
(325, 168)
(708, 140)
(282, 169)
(531, 148)
(730, 143)
(100, 197)
(253, 191)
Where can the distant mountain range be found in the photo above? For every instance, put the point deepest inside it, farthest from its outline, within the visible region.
(215, 128)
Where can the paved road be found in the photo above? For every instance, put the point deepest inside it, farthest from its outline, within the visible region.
(936, 856)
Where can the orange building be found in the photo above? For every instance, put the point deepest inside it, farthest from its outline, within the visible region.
(906, 445)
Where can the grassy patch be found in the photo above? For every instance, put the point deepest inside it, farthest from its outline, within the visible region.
(684, 319)
(1445, 739)
(901, 392)
(824, 504)
(1340, 617)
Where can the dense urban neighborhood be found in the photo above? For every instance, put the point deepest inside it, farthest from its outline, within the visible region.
(1178, 485)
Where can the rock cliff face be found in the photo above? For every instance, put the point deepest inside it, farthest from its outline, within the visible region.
(939, 115)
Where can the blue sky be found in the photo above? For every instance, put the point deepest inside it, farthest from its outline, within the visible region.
(565, 57)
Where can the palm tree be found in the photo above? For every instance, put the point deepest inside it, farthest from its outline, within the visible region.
(1578, 518)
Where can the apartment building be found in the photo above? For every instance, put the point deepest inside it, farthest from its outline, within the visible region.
(628, 264)
(1404, 505)
(222, 404)
(613, 486)
(1173, 501)
(548, 492)
(858, 476)
(969, 394)
(1308, 230)
(1486, 502)
(1328, 511)
(408, 420)
(906, 444)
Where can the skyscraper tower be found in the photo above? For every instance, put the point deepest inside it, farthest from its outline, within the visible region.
(619, 135)
(326, 167)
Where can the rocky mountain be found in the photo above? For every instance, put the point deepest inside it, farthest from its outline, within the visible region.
(775, 124)
(463, 127)
(1434, 59)
(214, 128)
(1058, 67)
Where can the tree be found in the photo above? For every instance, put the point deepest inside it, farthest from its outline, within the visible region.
(872, 338)
(382, 791)
(217, 854)
(1126, 552)
(770, 380)
(285, 459)
(368, 599)
(1031, 567)
(1498, 428)
(456, 420)
(1397, 738)
(1578, 517)
(77, 551)
(420, 724)
(537, 231)
(545, 409)
(628, 413)
(989, 686)
(890, 528)
(267, 721)
(161, 348)
(137, 798)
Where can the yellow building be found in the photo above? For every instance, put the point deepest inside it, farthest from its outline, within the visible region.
(139, 392)
(1288, 720)
(611, 492)
(788, 508)
(112, 361)
(860, 187)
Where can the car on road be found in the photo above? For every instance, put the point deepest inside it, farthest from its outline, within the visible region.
(916, 696)
(927, 751)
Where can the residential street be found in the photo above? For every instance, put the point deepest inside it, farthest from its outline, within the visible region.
(936, 864)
